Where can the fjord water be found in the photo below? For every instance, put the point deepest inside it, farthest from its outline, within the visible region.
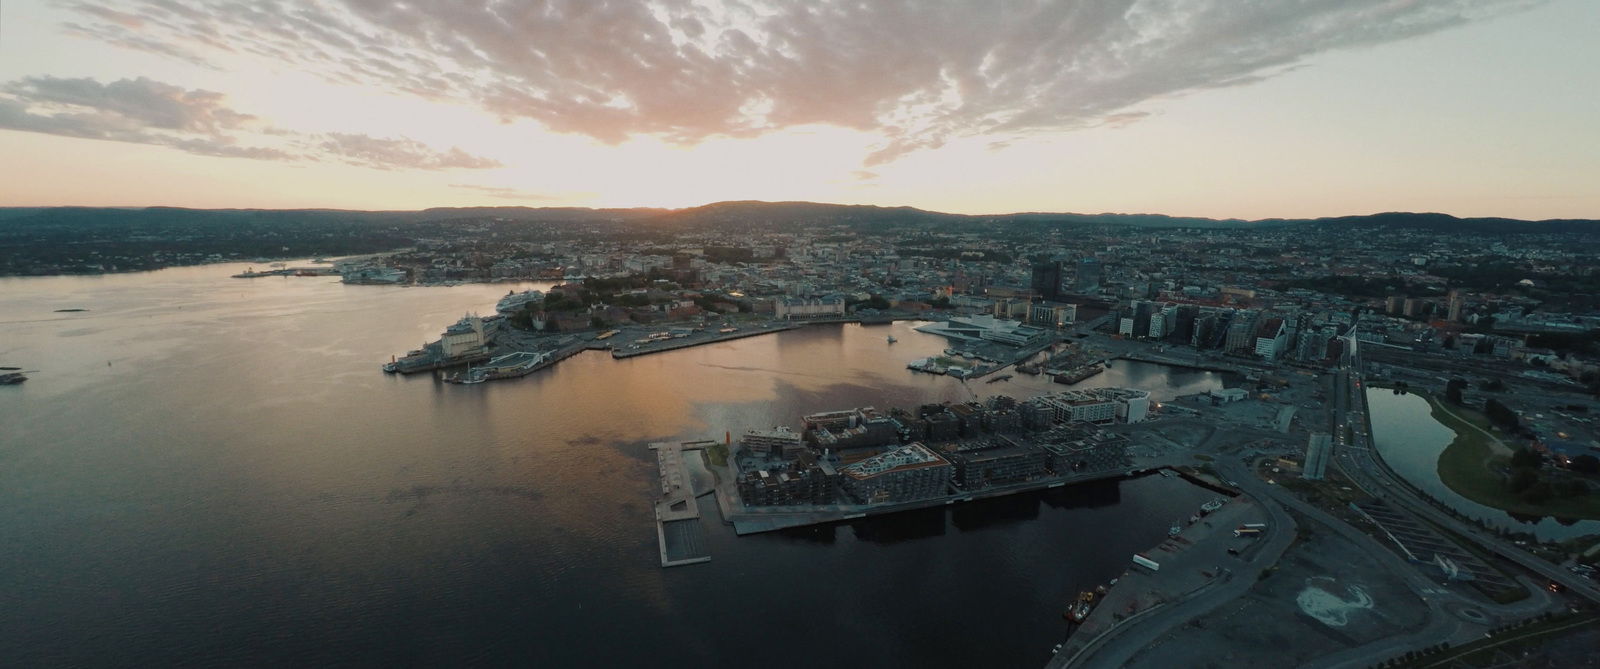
(208, 471)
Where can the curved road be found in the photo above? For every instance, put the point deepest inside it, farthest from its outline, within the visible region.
(1118, 646)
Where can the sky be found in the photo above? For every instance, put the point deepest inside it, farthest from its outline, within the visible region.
(1219, 108)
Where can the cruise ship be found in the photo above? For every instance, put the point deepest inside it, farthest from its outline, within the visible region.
(515, 301)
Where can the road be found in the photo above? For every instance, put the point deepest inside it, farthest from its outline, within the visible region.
(1118, 646)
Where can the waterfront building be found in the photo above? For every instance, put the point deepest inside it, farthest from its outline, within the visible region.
(463, 339)
(939, 424)
(994, 461)
(806, 481)
(908, 473)
(1242, 330)
(1037, 414)
(1098, 405)
(1318, 448)
(971, 417)
(1052, 315)
(780, 441)
(1077, 448)
(854, 428)
(803, 307)
(987, 328)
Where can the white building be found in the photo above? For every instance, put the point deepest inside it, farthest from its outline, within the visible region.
(796, 307)
(1272, 339)
(986, 328)
(1052, 315)
(1099, 405)
(777, 441)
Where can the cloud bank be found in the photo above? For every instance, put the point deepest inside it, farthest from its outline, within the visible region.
(916, 72)
(145, 111)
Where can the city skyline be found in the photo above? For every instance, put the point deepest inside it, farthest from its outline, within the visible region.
(1193, 109)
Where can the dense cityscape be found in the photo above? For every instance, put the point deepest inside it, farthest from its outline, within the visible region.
(1029, 333)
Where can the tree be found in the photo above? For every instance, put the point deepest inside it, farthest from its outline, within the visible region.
(1587, 464)
(1501, 414)
(1522, 479)
(1539, 493)
(1523, 457)
(1452, 394)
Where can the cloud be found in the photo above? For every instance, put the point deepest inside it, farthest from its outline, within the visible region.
(402, 153)
(505, 193)
(145, 111)
(916, 72)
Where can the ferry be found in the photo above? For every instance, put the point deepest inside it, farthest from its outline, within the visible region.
(514, 301)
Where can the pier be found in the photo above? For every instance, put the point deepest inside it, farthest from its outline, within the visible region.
(679, 535)
(693, 340)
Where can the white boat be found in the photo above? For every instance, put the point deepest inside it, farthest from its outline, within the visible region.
(515, 301)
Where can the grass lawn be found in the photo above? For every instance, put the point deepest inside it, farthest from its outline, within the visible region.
(717, 454)
(1468, 466)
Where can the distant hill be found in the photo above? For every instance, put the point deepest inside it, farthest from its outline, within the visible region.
(749, 214)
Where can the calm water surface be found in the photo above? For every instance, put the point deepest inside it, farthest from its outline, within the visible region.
(1410, 440)
(207, 471)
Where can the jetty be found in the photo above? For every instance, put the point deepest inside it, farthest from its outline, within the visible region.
(678, 532)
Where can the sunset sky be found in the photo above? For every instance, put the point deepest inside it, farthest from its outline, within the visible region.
(1221, 108)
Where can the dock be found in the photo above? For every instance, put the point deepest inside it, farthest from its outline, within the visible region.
(692, 341)
(679, 535)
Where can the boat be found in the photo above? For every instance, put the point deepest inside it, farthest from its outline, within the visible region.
(1174, 530)
(892, 339)
(1194, 519)
(1081, 608)
(12, 378)
(514, 301)
(1002, 377)
(1212, 505)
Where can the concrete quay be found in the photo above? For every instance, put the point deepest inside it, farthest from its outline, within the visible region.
(679, 535)
(1196, 574)
(695, 340)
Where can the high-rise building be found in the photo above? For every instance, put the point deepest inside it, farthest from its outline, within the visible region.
(1456, 306)
(1242, 330)
(1087, 276)
(1271, 339)
(1318, 448)
(1047, 277)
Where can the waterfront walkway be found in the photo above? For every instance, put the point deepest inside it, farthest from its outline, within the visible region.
(678, 532)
